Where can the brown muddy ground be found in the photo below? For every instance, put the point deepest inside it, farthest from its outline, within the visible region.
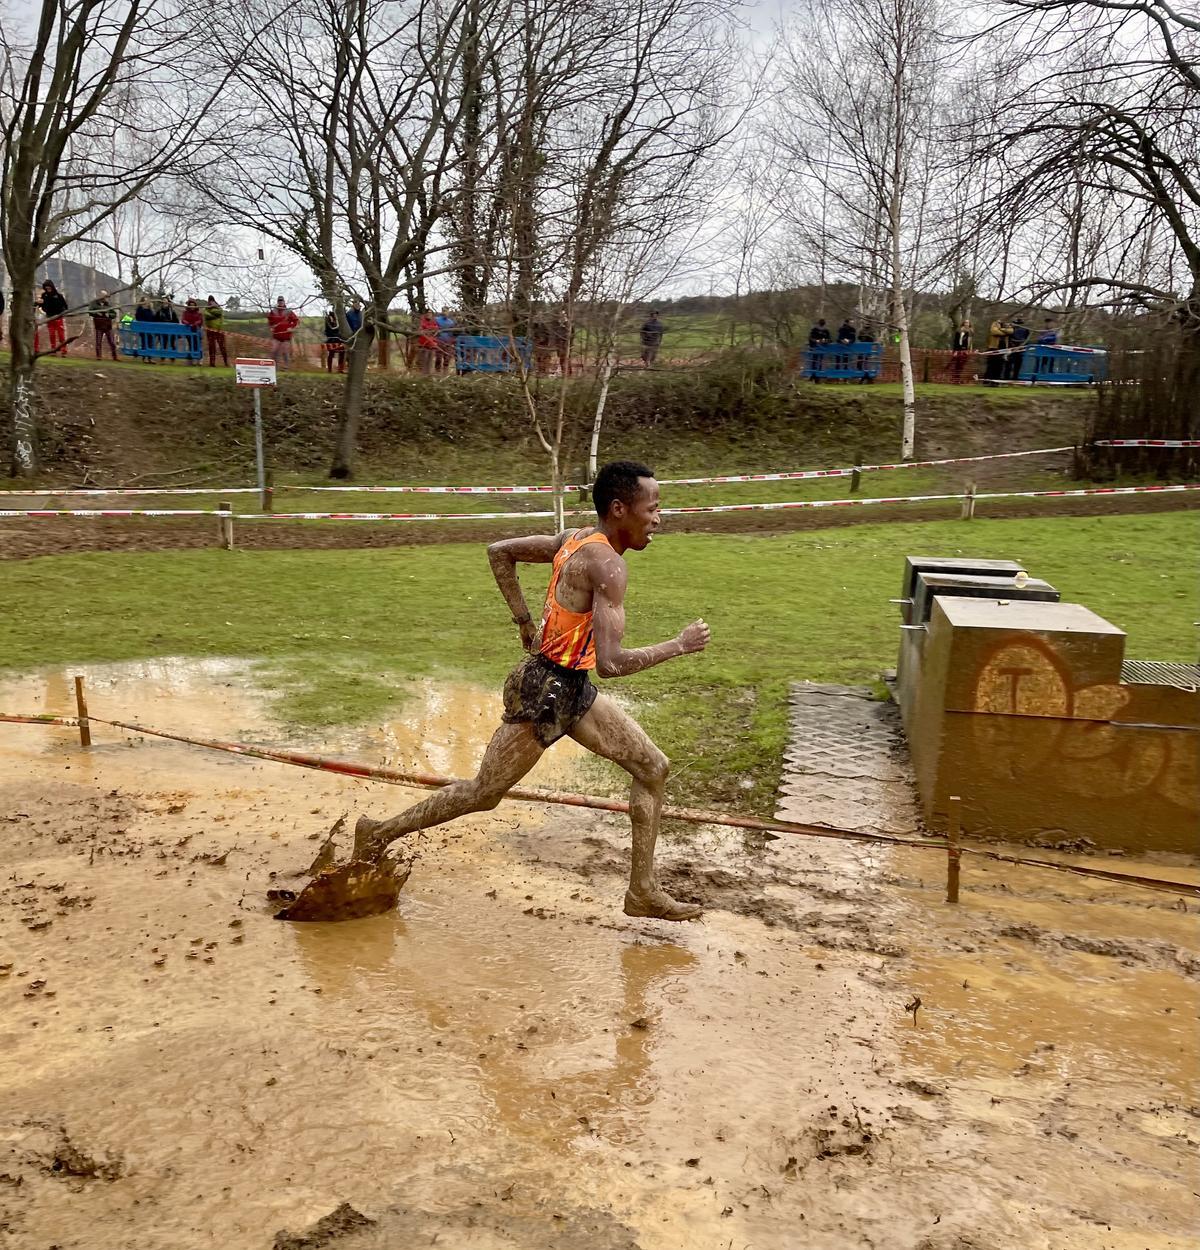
(509, 1062)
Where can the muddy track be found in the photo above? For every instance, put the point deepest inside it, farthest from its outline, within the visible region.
(22, 540)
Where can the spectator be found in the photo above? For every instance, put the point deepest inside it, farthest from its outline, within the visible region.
(144, 311)
(847, 333)
(960, 347)
(1049, 334)
(193, 318)
(819, 335)
(214, 332)
(283, 323)
(447, 329)
(997, 343)
(865, 335)
(651, 333)
(428, 346)
(334, 344)
(354, 318)
(103, 314)
(53, 304)
(1016, 341)
(165, 314)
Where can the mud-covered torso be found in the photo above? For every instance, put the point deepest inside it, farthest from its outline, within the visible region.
(566, 635)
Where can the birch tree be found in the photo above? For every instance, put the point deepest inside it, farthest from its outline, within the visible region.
(856, 112)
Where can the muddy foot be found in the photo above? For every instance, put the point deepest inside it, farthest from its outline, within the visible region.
(661, 906)
(368, 845)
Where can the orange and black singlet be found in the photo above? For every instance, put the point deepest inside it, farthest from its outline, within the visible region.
(567, 636)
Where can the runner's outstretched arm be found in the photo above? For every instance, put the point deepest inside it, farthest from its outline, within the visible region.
(608, 621)
(504, 556)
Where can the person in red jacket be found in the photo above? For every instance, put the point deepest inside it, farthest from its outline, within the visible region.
(193, 318)
(427, 343)
(283, 323)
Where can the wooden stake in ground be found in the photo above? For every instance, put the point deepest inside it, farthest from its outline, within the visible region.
(953, 851)
(968, 507)
(85, 729)
(225, 525)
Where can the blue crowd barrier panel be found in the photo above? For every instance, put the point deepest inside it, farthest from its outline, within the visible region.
(843, 362)
(489, 353)
(160, 340)
(1065, 366)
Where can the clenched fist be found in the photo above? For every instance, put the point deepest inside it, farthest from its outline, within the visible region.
(694, 637)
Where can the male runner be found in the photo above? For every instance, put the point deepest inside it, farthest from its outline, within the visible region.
(549, 694)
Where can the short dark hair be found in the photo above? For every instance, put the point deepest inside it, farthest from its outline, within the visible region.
(618, 480)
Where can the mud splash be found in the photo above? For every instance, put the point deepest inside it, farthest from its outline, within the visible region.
(507, 1060)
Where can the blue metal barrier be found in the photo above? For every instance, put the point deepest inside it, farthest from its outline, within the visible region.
(488, 353)
(1043, 362)
(855, 362)
(160, 340)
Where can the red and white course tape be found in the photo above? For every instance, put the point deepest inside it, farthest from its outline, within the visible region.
(1147, 442)
(791, 476)
(526, 516)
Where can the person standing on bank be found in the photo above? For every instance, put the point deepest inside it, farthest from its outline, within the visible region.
(282, 322)
(997, 343)
(214, 332)
(103, 314)
(1017, 340)
(960, 347)
(548, 695)
(652, 334)
(334, 344)
(53, 304)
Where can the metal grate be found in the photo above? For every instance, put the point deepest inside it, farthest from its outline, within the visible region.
(1155, 673)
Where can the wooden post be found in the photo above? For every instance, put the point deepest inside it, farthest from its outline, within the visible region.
(85, 728)
(953, 851)
(968, 507)
(226, 525)
(266, 501)
(856, 476)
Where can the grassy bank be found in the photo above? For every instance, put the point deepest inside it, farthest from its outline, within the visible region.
(115, 423)
(339, 632)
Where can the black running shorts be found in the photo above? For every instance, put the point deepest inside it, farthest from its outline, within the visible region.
(554, 699)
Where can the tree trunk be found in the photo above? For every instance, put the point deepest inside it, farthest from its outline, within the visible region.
(594, 450)
(556, 483)
(350, 407)
(23, 442)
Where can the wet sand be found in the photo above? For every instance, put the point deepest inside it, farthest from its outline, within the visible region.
(507, 1061)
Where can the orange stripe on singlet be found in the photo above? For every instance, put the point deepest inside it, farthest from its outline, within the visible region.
(567, 636)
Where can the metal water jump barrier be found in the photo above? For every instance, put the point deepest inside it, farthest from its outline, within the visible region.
(951, 844)
(160, 340)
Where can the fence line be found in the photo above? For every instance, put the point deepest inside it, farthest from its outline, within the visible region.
(782, 476)
(228, 514)
(432, 781)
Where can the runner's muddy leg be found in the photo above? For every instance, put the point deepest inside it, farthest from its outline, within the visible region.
(512, 752)
(609, 732)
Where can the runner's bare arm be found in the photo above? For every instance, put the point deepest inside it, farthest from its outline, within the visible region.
(609, 579)
(504, 556)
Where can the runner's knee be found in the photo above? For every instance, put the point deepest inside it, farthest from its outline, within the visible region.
(654, 769)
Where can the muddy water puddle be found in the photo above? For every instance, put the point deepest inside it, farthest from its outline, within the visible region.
(507, 1061)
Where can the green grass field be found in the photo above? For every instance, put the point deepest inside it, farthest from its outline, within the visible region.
(338, 632)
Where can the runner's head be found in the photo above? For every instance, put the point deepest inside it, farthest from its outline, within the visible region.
(626, 497)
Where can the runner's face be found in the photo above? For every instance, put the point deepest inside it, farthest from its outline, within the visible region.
(643, 516)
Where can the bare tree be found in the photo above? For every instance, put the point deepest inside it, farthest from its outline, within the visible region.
(78, 75)
(619, 144)
(351, 113)
(857, 119)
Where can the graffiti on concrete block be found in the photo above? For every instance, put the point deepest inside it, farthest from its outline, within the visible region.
(1043, 727)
